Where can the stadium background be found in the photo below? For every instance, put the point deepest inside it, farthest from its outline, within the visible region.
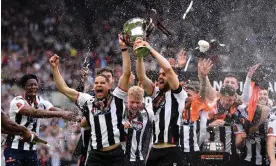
(32, 31)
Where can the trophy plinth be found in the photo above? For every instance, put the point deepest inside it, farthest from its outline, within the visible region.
(213, 147)
(141, 52)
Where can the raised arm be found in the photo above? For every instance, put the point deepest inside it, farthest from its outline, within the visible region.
(147, 84)
(164, 64)
(60, 83)
(206, 89)
(124, 79)
(246, 88)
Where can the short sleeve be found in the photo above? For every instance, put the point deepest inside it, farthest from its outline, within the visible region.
(180, 94)
(82, 99)
(17, 104)
(120, 93)
(47, 104)
(238, 129)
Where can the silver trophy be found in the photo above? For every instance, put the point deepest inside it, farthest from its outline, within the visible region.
(141, 28)
(137, 28)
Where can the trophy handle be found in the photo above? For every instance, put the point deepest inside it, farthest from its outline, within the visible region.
(149, 27)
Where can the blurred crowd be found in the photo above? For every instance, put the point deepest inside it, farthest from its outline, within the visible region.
(33, 31)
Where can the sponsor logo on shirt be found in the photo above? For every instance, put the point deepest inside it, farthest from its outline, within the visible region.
(97, 112)
(137, 125)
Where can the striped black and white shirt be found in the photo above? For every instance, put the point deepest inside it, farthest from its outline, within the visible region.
(30, 123)
(256, 147)
(201, 130)
(255, 143)
(224, 134)
(106, 125)
(139, 136)
(168, 108)
(188, 136)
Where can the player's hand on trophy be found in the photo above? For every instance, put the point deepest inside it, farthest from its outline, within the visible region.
(139, 42)
(122, 44)
(218, 122)
(204, 66)
(252, 70)
(54, 61)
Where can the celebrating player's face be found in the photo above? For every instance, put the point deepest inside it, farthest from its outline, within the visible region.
(162, 80)
(101, 87)
(231, 81)
(191, 94)
(227, 101)
(134, 103)
(31, 87)
(263, 98)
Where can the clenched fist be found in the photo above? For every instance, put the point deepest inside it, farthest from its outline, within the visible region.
(54, 61)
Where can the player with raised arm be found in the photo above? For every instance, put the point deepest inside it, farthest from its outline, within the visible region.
(103, 112)
(168, 105)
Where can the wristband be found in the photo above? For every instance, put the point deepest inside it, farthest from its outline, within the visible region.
(124, 49)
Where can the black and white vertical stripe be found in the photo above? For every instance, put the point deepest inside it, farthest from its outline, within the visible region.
(188, 134)
(29, 122)
(224, 134)
(167, 118)
(256, 147)
(138, 141)
(106, 127)
(188, 137)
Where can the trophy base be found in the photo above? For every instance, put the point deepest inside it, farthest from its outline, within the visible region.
(141, 52)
